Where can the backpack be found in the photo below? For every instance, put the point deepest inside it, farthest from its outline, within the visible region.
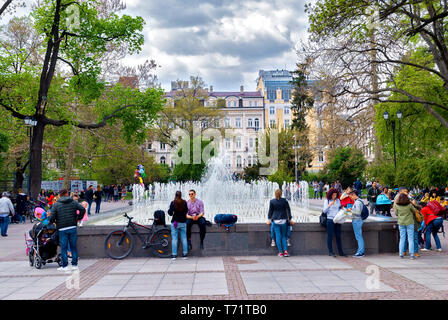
(364, 212)
(159, 218)
(323, 219)
(436, 207)
(419, 216)
(226, 220)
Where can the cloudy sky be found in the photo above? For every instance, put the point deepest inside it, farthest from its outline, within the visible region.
(226, 42)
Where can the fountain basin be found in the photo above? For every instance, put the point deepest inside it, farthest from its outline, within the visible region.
(247, 239)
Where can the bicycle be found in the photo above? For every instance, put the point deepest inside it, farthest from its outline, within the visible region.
(120, 243)
(30, 211)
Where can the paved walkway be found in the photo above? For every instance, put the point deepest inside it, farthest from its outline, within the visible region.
(223, 278)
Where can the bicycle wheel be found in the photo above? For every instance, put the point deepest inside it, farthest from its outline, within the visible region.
(119, 244)
(161, 243)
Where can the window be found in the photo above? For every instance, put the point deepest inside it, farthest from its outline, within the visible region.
(238, 161)
(162, 160)
(249, 161)
(255, 103)
(228, 162)
(238, 143)
(250, 123)
(271, 123)
(250, 103)
(272, 110)
(286, 110)
(286, 94)
(256, 123)
(234, 104)
(227, 143)
(149, 146)
(227, 123)
(162, 146)
(286, 124)
(251, 143)
(237, 122)
(321, 156)
(229, 104)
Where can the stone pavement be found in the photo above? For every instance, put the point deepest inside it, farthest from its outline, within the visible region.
(382, 277)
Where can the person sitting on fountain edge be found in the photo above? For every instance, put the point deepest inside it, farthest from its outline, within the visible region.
(195, 215)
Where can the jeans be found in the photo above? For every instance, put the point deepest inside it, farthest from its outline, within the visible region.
(409, 231)
(4, 221)
(280, 231)
(288, 231)
(182, 229)
(372, 206)
(90, 205)
(202, 225)
(357, 229)
(98, 206)
(321, 193)
(334, 228)
(432, 228)
(415, 242)
(68, 237)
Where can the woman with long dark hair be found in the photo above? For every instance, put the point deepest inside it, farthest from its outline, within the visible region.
(179, 209)
(332, 205)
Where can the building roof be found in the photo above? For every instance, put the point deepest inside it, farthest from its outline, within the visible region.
(225, 94)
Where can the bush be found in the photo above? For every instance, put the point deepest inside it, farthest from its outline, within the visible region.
(345, 164)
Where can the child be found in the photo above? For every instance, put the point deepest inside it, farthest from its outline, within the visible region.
(86, 216)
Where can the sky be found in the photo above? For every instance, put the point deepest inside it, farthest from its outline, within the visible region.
(226, 42)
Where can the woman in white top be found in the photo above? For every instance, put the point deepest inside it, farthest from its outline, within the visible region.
(332, 204)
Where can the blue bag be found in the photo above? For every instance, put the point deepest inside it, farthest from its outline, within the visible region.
(226, 220)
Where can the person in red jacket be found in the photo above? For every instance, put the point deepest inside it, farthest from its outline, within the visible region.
(50, 199)
(345, 199)
(433, 224)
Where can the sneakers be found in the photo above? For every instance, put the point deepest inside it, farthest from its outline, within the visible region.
(273, 243)
(75, 268)
(184, 257)
(440, 250)
(286, 254)
(417, 254)
(401, 257)
(280, 254)
(412, 257)
(173, 257)
(289, 242)
(405, 253)
(425, 250)
(358, 255)
(65, 269)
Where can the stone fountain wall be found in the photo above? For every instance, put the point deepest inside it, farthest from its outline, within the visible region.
(254, 239)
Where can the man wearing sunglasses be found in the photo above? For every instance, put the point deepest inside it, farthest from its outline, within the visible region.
(195, 215)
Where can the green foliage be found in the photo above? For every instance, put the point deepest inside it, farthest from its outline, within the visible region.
(190, 171)
(315, 176)
(4, 145)
(345, 164)
(302, 101)
(280, 176)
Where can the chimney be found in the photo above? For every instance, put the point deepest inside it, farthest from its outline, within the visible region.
(242, 89)
(211, 88)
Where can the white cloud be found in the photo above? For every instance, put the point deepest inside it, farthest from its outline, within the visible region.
(225, 42)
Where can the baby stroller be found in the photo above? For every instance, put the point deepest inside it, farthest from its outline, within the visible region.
(42, 244)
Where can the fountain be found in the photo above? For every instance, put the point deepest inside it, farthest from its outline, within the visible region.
(220, 194)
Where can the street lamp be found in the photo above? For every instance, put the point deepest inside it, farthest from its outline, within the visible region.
(30, 122)
(399, 115)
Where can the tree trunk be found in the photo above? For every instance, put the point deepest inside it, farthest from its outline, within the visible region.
(70, 157)
(36, 159)
(20, 170)
(374, 72)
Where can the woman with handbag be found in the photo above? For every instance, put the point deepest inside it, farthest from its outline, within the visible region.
(178, 209)
(332, 205)
(280, 215)
(405, 212)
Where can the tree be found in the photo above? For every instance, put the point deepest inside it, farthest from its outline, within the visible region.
(190, 171)
(186, 110)
(345, 164)
(302, 101)
(364, 51)
(43, 91)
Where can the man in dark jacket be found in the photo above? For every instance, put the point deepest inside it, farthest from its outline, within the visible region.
(64, 213)
(89, 198)
(372, 194)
